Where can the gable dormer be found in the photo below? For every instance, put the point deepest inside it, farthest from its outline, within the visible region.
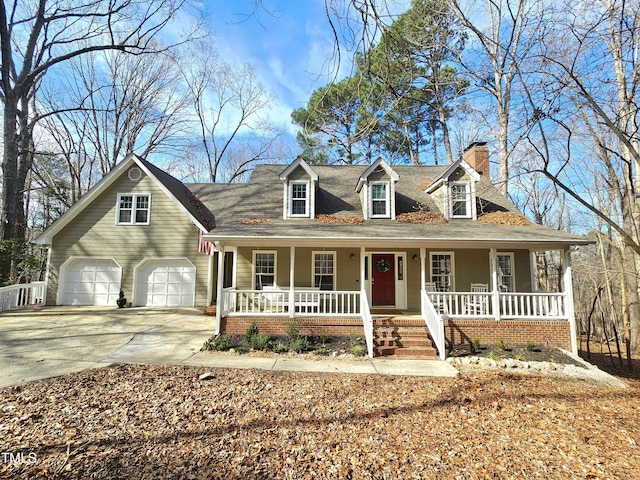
(300, 183)
(377, 189)
(454, 191)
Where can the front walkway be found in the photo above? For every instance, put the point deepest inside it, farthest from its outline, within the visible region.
(45, 342)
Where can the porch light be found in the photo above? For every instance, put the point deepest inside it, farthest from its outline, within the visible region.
(352, 256)
(414, 258)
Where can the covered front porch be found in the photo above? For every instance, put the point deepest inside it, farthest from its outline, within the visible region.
(458, 294)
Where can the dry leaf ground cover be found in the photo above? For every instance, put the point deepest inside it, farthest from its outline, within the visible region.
(165, 422)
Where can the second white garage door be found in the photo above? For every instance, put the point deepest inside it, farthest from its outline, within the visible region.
(166, 283)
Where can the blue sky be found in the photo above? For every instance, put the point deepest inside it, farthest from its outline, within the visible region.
(289, 47)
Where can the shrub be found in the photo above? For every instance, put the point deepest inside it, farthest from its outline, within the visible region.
(322, 351)
(358, 350)
(292, 330)
(300, 345)
(529, 346)
(220, 343)
(520, 357)
(501, 345)
(475, 345)
(260, 342)
(353, 338)
(493, 356)
(280, 348)
(323, 338)
(251, 331)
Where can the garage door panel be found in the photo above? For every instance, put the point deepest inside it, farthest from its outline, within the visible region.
(166, 283)
(91, 282)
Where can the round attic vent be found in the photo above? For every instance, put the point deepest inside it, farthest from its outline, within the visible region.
(135, 174)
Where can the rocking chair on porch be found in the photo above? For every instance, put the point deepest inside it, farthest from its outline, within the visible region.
(478, 304)
(438, 301)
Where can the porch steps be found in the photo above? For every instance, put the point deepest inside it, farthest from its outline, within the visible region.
(402, 337)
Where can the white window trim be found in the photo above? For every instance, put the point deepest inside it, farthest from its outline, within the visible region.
(307, 199)
(275, 267)
(313, 265)
(512, 283)
(469, 197)
(134, 196)
(387, 213)
(453, 267)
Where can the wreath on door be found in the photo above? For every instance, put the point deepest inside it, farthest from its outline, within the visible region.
(383, 265)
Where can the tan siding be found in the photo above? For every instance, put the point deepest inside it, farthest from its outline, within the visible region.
(472, 266)
(94, 233)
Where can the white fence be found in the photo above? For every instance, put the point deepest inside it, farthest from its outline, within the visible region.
(22, 294)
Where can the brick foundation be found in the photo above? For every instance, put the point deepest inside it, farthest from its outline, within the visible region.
(515, 332)
(334, 326)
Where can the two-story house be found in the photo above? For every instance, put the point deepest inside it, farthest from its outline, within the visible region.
(407, 256)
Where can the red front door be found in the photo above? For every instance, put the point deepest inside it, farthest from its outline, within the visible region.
(383, 280)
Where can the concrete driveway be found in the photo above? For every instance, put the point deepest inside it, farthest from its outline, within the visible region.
(50, 341)
(46, 342)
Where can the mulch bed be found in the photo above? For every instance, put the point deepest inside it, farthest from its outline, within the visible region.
(165, 422)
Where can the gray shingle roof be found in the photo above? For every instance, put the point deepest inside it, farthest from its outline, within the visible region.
(262, 197)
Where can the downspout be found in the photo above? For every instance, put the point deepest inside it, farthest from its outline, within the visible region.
(568, 296)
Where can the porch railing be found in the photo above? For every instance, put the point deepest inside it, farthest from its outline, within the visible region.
(547, 305)
(307, 302)
(435, 324)
(21, 295)
(367, 322)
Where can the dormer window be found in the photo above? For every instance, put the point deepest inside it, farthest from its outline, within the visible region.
(299, 196)
(379, 199)
(460, 200)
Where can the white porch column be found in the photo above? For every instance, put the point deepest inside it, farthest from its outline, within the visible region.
(495, 291)
(292, 276)
(568, 303)
(363, 281)
(423, 270)
(219, 298)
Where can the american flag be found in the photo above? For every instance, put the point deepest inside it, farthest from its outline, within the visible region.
(205, 246)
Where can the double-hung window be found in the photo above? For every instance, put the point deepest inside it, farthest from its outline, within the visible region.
(442, 271)
(133, 209)
(265, 269)
(460, 200)
(324, 270)
(505, 272)
(299, 194)
(379, 199)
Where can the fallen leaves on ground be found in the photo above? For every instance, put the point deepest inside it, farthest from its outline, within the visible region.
(165, 422)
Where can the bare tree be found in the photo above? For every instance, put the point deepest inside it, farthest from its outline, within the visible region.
(230, 104)
(34, 38)
(113, 104)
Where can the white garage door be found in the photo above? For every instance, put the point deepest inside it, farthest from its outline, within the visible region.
(91, 282)
(166, 283)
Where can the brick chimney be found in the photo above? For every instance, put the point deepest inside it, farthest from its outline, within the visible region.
(477, 155)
